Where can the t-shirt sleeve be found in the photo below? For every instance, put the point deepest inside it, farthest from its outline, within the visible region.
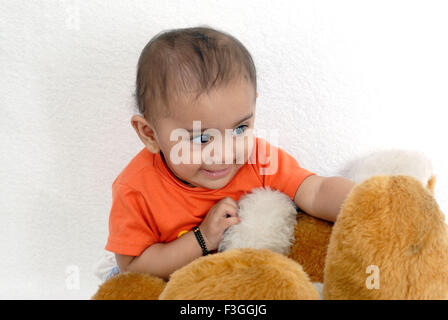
(131, 228)
(278, 169)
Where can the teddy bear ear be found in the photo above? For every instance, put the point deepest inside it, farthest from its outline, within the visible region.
(431, 183)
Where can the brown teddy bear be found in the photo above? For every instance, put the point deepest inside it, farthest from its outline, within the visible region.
(391, 226)
(389, 242)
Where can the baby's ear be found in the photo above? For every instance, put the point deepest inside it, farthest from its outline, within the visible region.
(145, 132)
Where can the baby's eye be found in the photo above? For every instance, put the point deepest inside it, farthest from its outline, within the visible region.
(200, 139)
(204, 138)
(240, 129)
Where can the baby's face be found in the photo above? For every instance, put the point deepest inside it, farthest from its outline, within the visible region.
(205, 160)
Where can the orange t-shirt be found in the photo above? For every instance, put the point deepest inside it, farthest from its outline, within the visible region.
(150, 204)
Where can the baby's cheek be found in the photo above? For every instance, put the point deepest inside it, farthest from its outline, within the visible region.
(196, 155)
(185, 153)
(189, 171)
(244, 148)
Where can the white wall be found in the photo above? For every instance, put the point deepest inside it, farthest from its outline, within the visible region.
(337, 79)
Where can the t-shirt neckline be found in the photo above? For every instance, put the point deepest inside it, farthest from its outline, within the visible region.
(186, 183)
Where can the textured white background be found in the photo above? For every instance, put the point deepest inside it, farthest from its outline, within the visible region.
(337, 79)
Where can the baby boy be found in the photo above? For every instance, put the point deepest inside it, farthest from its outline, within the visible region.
(196, 91)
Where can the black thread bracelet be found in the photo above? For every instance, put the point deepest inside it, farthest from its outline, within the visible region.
(201, 241)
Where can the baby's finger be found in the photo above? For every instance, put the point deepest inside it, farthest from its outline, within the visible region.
(229, 211)
(232, 220)
(230, 201)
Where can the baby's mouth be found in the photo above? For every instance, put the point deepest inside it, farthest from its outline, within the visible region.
(216, 173)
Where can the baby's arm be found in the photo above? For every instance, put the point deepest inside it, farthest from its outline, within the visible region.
(322, 197)
(162, 259)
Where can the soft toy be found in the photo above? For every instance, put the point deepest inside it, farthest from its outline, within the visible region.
(256, 251)
(390, 225)
(389, 242)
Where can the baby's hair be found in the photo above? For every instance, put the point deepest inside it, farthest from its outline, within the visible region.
(188, 61)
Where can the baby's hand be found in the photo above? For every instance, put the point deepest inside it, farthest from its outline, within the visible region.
(221, 216)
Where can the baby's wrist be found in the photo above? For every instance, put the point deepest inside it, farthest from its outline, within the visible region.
(204, 233)
(202, 241)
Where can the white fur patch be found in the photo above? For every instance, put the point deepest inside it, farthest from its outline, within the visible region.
(267, 222)
(392, 162)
